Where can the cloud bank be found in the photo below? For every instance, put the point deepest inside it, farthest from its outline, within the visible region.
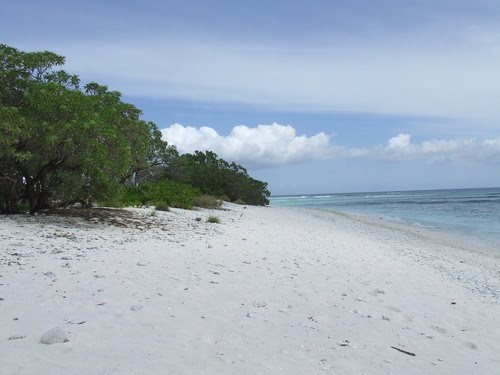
(264, 145)
(426, 73)
(273, 145)
(441, 150)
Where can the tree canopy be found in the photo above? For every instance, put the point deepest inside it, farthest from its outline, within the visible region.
(215, 176)
(58, 139)
(61, 142)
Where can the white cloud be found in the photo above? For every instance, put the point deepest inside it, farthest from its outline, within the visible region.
(429, 73)
(263, 145)
(399, 142)
(439, 150)
(271, 145)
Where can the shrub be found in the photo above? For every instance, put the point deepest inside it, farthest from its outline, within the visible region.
(167, 193)
(214, 219)
(239, 201)
(207, 201)
(162, 206)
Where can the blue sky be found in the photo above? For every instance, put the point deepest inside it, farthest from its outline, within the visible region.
(318, 96)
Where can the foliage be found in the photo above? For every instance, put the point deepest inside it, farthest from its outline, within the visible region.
(60, 142)
(213, 219)
(162, 206)
(172, 194)
(207, 201)
(214, 176)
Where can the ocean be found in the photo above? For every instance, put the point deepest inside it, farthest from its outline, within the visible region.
(474, 213)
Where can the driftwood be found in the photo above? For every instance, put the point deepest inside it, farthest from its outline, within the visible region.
(403, 351)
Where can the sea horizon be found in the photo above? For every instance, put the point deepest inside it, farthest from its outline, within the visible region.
(381, 191)
(473, 213)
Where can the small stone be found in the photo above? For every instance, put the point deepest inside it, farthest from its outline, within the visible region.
(50, 274)
(141, 263)
(137, 308)
(385, 318)
(54, 336)
(250, 315)
(198, 219)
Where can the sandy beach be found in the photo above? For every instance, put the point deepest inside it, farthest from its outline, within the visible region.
(268, 291)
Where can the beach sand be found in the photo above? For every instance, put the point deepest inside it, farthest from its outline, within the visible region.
(268, 291)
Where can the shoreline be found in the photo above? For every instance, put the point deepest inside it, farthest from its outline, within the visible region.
(272, 290)
(456, 213)
(466, 242)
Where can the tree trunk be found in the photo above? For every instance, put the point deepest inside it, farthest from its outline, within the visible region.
(38, 200)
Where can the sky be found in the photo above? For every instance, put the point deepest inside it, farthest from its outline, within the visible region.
(312, 97)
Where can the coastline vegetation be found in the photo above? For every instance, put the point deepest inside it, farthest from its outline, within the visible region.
(208, 201)
(62, 143)
(213, 219)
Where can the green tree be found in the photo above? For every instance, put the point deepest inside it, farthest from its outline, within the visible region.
(62, 143)
(215, 176)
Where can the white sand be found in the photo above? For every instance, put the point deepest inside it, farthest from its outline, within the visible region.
(268, 291)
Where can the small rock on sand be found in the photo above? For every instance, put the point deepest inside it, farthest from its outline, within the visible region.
(137, 308)
(54, 336)
(141, 263)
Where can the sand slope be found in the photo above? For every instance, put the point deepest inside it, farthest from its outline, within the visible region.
(268, 291)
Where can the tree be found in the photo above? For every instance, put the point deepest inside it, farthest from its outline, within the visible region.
(215, 176)
(59, 142)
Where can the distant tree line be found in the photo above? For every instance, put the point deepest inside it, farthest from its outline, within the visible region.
(61, 143)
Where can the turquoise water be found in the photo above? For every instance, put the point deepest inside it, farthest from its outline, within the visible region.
(471, 212)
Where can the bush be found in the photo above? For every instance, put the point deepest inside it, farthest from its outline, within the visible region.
(213, 219)
(207, 201)
(167, 193)
(239, 201)
(162, 206)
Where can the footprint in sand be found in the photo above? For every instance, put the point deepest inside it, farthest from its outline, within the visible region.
(395, 309)
(377, 292)
(439, 329)
(470, 345)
